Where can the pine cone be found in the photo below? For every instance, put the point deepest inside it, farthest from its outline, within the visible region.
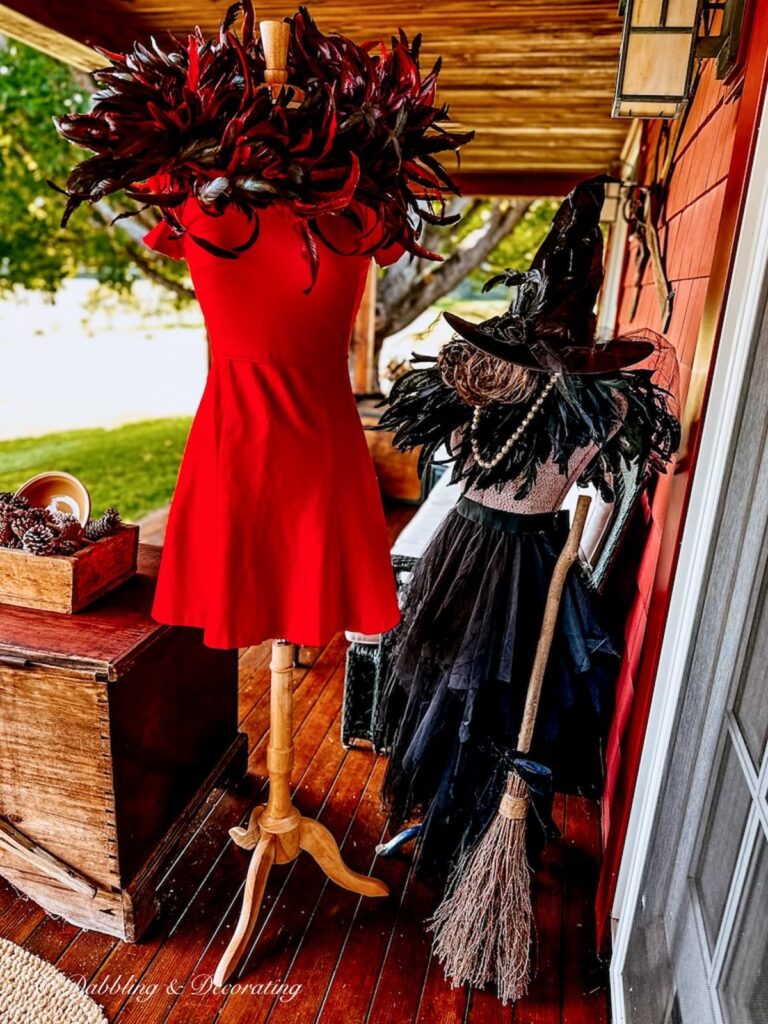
(7, 536)
(69, 529)
(10, 506)
(40, 540)
(60, 518)
(25, 518)
(109, 523)
(67, 547)
(15, 500)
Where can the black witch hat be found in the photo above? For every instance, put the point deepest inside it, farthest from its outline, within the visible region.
(551, 324)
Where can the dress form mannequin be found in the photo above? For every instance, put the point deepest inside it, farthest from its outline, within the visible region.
(551, 487)
(276, 831)
(276, 528)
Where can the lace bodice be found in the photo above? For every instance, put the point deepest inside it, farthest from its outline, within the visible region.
(549, 489)
(548, 492)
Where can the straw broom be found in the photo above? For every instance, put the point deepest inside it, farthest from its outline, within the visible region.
(483, 926)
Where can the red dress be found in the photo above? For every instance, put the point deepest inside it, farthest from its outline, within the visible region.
(276, 529)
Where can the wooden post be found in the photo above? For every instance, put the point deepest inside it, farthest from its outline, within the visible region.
(277, 832)
(275, 38)
(280, 749)
(364, 368)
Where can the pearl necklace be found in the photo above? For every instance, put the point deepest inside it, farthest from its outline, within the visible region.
(515, 436)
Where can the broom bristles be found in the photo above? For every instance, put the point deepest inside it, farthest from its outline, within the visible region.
(483, 926)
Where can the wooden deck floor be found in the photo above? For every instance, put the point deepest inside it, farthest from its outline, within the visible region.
(321, 954)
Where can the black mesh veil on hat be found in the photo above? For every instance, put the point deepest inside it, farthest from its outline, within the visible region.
(551, 323)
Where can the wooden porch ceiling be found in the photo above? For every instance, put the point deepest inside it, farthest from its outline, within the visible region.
(535, 79)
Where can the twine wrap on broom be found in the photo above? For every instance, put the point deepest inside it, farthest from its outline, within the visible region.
(483, 926)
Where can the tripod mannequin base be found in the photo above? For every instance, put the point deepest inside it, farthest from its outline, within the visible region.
(280, 848)
(276, 831)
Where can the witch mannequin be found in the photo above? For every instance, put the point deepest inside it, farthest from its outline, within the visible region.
(528, 404)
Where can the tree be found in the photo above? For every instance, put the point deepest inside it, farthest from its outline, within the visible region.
(414, 285)
(35, 252)
(517, 250)
(492, 235)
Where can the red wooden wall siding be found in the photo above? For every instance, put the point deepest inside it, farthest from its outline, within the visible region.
(705, 195)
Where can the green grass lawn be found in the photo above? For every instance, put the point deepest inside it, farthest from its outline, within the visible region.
(133, 466)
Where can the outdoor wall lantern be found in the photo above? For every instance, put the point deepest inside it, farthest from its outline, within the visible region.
(661, 41)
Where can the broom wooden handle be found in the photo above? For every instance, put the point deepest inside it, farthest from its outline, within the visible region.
(567, 557)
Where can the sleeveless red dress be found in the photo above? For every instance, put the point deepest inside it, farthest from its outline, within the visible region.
(276, 529)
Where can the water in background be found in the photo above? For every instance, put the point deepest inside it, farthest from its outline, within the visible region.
(88, 359)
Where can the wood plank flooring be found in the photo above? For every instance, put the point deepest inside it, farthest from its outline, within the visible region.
(321, 954)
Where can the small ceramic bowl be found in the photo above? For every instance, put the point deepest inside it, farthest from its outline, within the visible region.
(58, 492)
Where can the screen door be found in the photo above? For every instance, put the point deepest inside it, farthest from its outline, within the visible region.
(698, 946)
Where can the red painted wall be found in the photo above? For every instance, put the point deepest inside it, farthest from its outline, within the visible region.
(698, 229)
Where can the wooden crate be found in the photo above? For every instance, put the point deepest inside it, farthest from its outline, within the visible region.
(68, 583)
(114, 731)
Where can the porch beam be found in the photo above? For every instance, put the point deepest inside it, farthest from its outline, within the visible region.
(44, 36)
(529, 184)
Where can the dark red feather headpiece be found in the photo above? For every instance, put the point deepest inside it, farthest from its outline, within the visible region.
(182, 120)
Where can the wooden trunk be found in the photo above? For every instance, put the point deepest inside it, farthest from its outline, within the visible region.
(113, 732)
(68, 583)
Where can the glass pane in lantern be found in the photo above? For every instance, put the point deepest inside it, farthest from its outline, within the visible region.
(655, 14)
(682, 14)
(646, 12)
(646, 108)
(610, 210)
(656, 64)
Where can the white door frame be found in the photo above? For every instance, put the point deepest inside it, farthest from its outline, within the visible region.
(739, 326)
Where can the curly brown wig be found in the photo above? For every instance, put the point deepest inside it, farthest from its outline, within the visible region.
(481, 379)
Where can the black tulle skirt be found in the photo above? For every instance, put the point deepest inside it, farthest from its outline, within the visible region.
(459, 667)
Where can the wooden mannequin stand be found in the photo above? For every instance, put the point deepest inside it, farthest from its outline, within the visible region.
(277, 832)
